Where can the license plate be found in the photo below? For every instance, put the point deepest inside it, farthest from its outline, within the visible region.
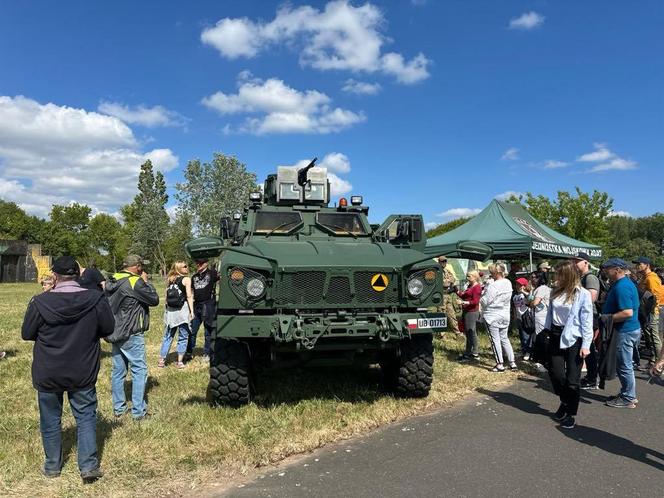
(428, 323)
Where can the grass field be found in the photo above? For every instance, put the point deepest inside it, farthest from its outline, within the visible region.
(188, 445)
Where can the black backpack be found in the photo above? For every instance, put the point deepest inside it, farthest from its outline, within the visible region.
(175, 294)
(528, 321)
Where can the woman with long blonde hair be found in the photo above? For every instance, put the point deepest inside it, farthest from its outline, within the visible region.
(569, 322)
(470, 304)
(178, 312)
(495, 306)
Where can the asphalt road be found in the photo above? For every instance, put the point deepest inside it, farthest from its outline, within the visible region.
(498, 443)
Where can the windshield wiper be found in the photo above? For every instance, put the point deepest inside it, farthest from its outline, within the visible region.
(283, 225)
(340, 228)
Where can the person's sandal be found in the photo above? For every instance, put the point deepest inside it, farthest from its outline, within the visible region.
(498, 368)
(162, 363)
(180, 364)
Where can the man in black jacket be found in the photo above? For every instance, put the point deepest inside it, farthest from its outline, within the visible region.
(66, 323)
(130, 296)
(205, 306)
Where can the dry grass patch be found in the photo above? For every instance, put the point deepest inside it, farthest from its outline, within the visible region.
(187, 444)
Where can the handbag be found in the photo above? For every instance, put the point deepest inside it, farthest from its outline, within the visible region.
(528, 321)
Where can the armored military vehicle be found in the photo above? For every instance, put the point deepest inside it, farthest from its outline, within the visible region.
(303, 282)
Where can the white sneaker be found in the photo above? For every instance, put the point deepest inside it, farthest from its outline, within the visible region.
(540, 368)
(526, 357)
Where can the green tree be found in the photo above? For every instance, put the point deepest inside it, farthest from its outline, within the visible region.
(212, 190)
(109, 240)
(16, 224)
(67, 231)
(446, 227)
(147, 219)
(580, 215)
(178, 233)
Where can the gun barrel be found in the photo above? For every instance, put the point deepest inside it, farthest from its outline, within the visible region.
(302, 174)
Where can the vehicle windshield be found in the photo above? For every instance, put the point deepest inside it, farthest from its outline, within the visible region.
(276, 221)
(342, 223)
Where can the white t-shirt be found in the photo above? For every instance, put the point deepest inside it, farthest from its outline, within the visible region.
(543, 292)
(560, 309)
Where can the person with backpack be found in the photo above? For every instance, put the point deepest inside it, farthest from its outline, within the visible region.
(130, 295)
(178, 313)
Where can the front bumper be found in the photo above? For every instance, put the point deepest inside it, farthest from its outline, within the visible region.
(307, 329)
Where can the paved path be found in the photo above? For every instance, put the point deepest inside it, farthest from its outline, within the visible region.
(498, 443)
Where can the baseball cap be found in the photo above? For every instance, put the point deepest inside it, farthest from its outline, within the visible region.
(582, 255)
(66, 265)
(544, 265)
(133, 260)
(644, 260)
(614, 263)
(522, 281)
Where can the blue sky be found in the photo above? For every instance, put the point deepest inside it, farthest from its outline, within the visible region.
(431, 107)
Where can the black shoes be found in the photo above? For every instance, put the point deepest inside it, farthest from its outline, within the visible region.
(568, 422)
(90, 476)
(561, 413)
(589, 385)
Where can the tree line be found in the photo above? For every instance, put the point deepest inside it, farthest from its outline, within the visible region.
(589, 217)
(210, 190)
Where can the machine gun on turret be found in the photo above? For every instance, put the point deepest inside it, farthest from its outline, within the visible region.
(302, 173)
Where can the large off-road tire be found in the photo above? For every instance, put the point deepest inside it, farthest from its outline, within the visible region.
(230, 374)
(411, 373)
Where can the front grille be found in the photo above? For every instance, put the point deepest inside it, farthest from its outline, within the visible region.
(365, 294)
(304, 287)
(338, 291)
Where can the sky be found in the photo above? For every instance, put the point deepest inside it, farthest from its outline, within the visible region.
(421, 106)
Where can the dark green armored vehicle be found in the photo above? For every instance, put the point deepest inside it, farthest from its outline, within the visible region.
(308, 284)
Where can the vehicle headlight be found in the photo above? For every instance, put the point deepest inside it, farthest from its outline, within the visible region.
(255, 287)
(415, 287)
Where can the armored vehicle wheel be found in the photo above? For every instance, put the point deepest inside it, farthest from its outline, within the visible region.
(410, 375)
(230, 374)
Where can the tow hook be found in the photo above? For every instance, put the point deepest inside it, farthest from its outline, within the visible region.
(383, 329)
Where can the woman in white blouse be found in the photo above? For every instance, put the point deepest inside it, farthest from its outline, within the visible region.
(570, 323)
(495, 309)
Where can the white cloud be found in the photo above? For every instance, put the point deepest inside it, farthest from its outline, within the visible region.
(511, 154)
(617, 163)
(527, 21)
(620, 213)
(282, 108)
(554, 164)
(430, 225)
(459, 213)
(601, 153)
(141, 115)
(335, 162)
(51, 154)
(507, 194)
(360, 87)
(339, 37)
(606, 159)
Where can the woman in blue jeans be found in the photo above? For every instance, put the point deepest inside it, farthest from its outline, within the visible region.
(177, 317)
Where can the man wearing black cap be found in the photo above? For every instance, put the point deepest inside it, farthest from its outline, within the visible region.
(590, 282)
(622, 302)
(130, 295)
(650, 281)
(203, 283)
(66, 324)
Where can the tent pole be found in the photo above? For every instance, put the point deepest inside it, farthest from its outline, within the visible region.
(530, 268)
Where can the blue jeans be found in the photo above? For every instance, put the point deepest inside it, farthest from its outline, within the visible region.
(169, 333)
(84, 408)
(129, 355)
(200, 318)
(627, 343)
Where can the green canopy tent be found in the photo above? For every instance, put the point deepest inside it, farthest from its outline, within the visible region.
(511, 232)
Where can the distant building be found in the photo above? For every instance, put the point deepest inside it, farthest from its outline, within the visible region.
(22, 262)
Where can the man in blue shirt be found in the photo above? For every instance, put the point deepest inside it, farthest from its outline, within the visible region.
(622, 302)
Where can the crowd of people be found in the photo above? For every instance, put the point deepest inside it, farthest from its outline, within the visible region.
(568, 320)
(77, 308)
